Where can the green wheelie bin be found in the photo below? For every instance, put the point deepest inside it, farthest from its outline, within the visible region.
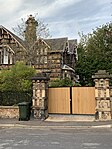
(24, 111)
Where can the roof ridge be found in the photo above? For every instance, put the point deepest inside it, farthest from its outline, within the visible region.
(56, 38)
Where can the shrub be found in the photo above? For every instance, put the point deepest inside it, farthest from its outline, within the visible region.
(17, 78)
(61, 83)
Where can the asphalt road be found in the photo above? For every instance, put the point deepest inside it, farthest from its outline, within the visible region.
(18, 138)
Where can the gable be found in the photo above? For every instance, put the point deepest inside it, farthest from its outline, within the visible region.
(11, 47)
(8, 38)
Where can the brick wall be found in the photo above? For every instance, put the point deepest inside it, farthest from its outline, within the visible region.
(9, 111)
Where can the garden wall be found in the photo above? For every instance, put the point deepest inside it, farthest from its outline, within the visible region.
(9, 111)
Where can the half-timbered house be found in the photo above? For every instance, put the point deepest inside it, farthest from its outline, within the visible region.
(57, 55)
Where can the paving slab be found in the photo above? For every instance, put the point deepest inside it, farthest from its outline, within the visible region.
(39, 123)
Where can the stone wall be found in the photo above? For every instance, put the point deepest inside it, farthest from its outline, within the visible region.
(9, 111)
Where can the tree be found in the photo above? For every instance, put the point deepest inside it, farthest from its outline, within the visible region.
(18, 78)
(42, 29)
(30, 30)
(95, 53)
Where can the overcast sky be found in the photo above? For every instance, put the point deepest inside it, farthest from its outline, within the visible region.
(65, 18)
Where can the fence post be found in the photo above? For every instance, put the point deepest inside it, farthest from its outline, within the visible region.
(70, 100)
(102, 95)
(40, 96)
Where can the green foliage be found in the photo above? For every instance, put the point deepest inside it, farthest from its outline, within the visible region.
(61, 83)
(17, 78)
(9, 98)
(77, 84)
(95, 53)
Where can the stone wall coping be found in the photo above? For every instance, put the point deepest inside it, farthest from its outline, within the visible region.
(102, 74)
(103, 110)
(9, 107)
(102, 98)
(41, 76)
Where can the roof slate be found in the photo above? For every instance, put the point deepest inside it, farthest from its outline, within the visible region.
(72, 45)
(57, 43)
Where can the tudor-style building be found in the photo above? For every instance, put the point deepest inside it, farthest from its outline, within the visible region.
(55, 55)
(12, 48)
(62, 57)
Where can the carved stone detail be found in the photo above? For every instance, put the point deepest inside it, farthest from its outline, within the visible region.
(102, 95)
(40, 97)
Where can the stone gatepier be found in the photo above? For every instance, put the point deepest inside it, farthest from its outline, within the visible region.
(40, 96)
(102, 95)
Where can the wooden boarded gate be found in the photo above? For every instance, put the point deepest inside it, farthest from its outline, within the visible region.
(58, 100)
(83, 100)
(74, 100)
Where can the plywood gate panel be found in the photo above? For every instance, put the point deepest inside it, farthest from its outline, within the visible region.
(83, 100)
(59, 100)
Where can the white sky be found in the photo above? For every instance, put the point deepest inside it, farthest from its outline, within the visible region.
(65, 18)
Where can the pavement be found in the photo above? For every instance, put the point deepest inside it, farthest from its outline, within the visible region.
(56, 122)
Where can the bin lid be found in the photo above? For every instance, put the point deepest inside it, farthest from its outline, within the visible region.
(23, 103)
